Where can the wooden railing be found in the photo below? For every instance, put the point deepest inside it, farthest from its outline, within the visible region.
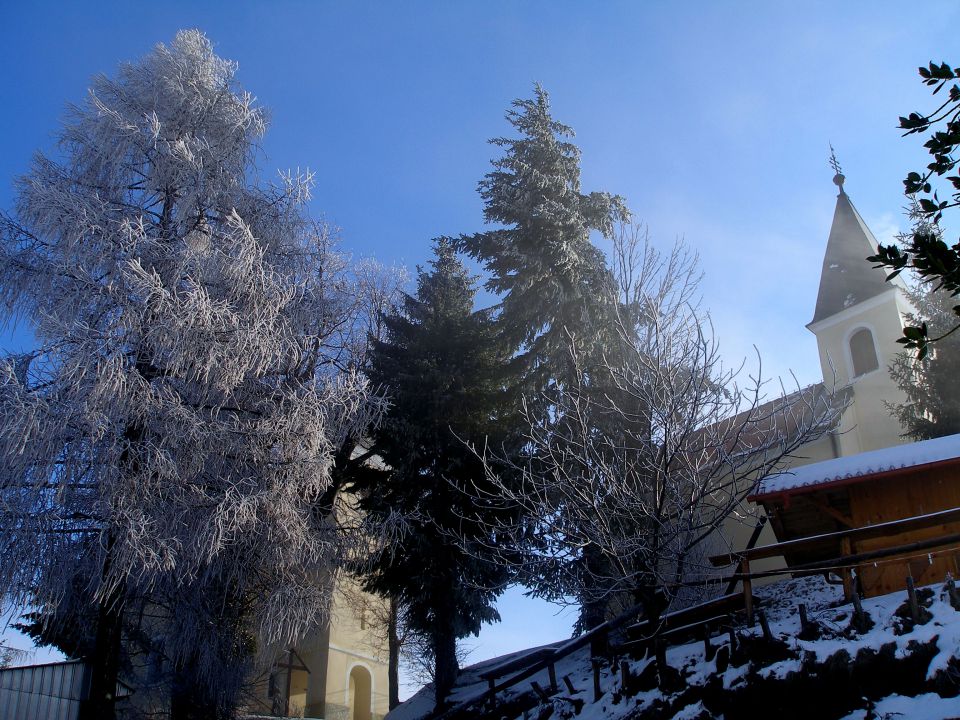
(844, 561)
(689, 620)
(546, 660)
(598, 639)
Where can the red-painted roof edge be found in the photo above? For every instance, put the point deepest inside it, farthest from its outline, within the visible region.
(853, 479)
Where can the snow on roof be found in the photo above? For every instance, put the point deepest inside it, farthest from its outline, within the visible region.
(868, 463)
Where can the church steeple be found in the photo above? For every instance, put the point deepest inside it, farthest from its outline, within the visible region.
(847, 278)
(857, 320)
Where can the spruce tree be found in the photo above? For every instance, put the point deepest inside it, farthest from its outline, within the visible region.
(931, 383)
(553, 283)
(441, 364)
(557, 296)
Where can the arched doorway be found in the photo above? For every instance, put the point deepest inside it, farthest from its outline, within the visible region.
(361, 694)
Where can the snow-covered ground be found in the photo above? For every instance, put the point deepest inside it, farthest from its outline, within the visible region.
(786, 664)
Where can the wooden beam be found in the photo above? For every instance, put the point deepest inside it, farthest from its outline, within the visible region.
(732, 602)
(286, 697)
(747, 590)
(818, 567)
(824, 507)
(751, 543)
(887, 529)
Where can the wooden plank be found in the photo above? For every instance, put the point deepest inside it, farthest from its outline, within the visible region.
(731, 602)
(894, 527)
(832, 512)
(517, 663)
(885, 500)
(674, 634)
(819, 566)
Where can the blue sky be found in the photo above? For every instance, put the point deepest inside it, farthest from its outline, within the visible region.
(712, 119)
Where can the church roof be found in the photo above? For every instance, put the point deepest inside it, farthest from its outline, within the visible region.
(847, 278)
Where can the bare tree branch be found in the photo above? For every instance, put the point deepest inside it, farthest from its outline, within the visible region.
(640, 460)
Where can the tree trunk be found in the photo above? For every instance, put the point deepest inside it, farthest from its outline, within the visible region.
(393, 642)
(594, 598)
(444, 637)
(445, 662)
(652, 598)
(188, 701)
(104, 661)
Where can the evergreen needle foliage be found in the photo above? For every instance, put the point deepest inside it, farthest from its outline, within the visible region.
(556, 291)
(442, 365)
(553, 282)
(931, 383)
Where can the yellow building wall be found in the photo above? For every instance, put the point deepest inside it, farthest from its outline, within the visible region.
(738, 527)
(357, 664)
(869, 425)
(346, 661)
(866, 424)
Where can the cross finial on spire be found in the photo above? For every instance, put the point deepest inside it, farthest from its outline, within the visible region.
(838, 178)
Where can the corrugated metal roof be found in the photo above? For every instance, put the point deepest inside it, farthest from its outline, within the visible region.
(43, 692)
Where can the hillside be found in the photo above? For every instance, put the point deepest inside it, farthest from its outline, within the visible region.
(842, 666)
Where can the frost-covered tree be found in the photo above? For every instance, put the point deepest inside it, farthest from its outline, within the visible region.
(10, 655)
(552, 282)
(931, 383)
(657, 446)
(167, 449)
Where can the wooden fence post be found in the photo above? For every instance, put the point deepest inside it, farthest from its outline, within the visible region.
(596, 678)
(912, 596)
(952, 593)
(660, 647)
(765, 626)
(847, 549)
(747, 591)
(859, 616)
(544, 697)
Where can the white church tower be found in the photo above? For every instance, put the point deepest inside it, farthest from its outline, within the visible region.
(857, 321)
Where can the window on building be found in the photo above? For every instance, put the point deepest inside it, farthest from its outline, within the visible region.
(863, 352)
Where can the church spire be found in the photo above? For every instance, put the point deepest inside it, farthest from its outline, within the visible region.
(847, 278)
(838, 177)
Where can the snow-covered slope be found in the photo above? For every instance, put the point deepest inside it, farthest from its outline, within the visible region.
(893, 668)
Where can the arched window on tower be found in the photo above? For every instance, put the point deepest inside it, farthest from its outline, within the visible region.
(863, 352)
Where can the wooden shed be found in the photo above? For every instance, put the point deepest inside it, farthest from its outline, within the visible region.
(869, 489)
